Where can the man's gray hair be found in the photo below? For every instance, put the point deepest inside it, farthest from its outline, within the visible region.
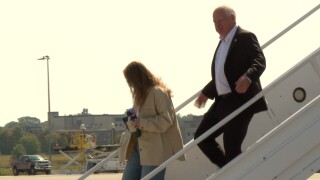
(228, 11)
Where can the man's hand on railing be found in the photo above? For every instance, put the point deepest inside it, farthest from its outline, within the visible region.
(201, 101)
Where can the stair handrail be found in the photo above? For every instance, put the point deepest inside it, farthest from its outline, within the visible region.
(194, 142)
(214, 128)
(113, 154)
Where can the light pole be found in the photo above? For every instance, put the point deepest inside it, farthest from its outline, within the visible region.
(49, 122)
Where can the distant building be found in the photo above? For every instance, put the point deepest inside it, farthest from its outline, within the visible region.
(109, 127)
(189, 127)
(106, 127)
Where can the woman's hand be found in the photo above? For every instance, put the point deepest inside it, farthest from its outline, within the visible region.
(136, 123)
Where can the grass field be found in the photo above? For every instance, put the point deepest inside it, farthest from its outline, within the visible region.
(5, 165)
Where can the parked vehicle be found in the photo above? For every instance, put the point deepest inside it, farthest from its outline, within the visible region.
(101, 152)
(31, 164)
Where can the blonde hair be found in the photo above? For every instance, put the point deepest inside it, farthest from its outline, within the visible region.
(140, 79)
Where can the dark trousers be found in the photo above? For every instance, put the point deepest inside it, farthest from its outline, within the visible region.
(234, 132)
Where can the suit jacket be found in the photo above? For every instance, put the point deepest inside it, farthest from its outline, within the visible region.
(244, 57)
(160, 133)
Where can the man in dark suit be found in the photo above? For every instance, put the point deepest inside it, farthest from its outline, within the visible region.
(236, 68)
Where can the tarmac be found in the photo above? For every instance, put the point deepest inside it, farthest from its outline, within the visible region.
(101, 176)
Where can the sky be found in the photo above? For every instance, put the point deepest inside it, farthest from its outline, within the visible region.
(90, 43)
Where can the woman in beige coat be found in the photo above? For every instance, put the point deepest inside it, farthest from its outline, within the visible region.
(156, 119)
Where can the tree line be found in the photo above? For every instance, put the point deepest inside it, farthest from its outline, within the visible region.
(28, 136)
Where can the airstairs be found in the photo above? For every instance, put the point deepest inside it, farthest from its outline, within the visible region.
(289, 150)
(282, 143)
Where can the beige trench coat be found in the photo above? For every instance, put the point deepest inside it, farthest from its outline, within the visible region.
(160, 133)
